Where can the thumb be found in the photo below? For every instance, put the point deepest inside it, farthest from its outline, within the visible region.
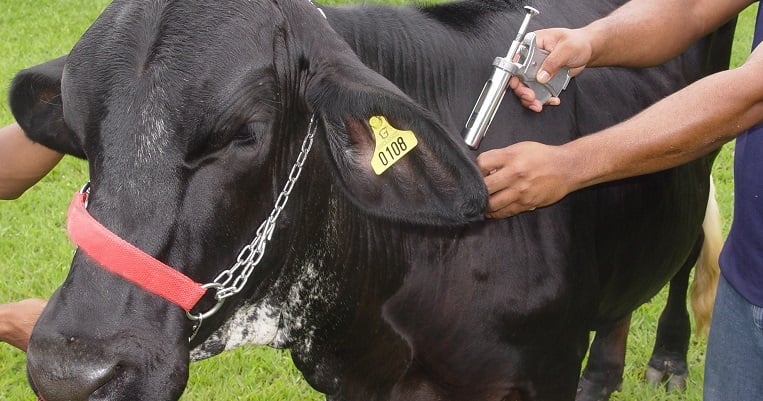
(566, 47)
(555, 61)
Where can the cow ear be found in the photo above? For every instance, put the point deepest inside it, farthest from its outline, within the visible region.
(35, 99)
(391, 156)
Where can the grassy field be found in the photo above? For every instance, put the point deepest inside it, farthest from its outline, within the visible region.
(35, 252)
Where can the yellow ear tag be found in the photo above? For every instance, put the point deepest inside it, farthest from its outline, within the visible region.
(391, 144)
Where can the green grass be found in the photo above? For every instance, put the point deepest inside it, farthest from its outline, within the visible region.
(35, 252)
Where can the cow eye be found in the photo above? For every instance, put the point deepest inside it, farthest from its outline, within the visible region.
(251, 132)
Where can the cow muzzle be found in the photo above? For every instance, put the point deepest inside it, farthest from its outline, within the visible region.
(73, 382)
(78, 368)
(65, 369)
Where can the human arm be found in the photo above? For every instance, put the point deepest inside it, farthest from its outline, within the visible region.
(641, 33)
(22, 162)
(675, 130)
(17, 320)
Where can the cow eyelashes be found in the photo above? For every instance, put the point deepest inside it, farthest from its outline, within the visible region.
(246, 134)
(250, 132)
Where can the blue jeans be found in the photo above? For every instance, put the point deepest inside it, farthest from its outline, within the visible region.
(734, 360)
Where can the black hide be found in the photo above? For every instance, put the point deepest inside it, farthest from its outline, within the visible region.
(385, 287)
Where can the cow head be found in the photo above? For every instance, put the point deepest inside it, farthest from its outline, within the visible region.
(190, 115)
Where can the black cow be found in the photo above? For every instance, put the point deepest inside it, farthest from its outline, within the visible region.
(384, 287)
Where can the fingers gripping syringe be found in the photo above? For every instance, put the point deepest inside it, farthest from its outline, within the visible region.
(528, 60)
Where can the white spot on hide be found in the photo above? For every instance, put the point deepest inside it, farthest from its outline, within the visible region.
(154, 135)
(250, 324)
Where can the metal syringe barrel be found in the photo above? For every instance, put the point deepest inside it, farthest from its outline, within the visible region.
(494, 89)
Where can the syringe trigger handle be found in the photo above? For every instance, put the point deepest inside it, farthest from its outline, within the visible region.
(530, 60)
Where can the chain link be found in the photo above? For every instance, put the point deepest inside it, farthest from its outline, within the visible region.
(233, 280)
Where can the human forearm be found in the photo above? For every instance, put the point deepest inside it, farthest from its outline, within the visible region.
(649, 32)
(22, 162)
(677, 129)
(17, 321)
(680, 128)
(640, 33)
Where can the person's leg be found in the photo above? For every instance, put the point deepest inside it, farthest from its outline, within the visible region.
(17, 320)
(734, 359)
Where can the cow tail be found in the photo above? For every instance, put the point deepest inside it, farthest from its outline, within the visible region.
(707, 271)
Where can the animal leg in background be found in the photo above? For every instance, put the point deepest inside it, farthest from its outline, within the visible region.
(603, 373)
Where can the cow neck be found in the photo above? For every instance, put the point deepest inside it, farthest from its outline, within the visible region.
(118, 256)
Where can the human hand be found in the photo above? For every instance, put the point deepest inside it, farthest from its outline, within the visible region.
(569, 48)
(524, 176)
(17, 320)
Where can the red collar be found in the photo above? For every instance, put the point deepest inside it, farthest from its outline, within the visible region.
(125, 260)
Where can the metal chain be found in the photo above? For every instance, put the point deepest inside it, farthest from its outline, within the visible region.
(252, 253)
(319, 9)
(227, 283)
(233, 280)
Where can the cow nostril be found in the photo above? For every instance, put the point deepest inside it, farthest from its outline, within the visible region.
(71, 382)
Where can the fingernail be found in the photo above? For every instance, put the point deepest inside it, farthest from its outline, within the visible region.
(535, 107)
(543, 76)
